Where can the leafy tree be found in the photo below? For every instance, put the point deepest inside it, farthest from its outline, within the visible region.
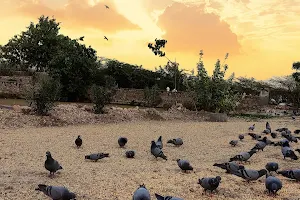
(296, 75)
(41, 47)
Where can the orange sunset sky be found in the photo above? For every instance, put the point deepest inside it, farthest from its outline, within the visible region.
(262, 37)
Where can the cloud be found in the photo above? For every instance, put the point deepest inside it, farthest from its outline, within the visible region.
(189, 29)
(80, 14)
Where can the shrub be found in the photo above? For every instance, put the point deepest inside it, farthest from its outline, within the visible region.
(190, 105)
(167, 105)
(100, 96)
(43, 94)
(152, 96)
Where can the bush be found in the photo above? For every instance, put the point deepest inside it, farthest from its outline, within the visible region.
(152, 96)
(100, 96)
(167, 105)
(190, 105)
(44, 92)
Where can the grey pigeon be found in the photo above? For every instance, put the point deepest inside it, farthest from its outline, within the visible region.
(230, 167)
(56, 192)
(281, 142)
(233, 143)
(176, 141)
(297, 131)
(141, 193)
(288, 152)
(251, 128)
(243, 156)
(159, 197)
(281, 129)
(260, 145)
(130, 154)
(78, 141)
(96, 156)
(210, 183)
(159, 143)
(254, 136)
(184, 165)
(292, 174)
(51, 165)
(274, 135)
(250, 174)
(272, 167)
(273, 184)
(267, 131)
(241, 137)
(122, 141)
(156, 151)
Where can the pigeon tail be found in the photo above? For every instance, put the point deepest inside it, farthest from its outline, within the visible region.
(222, 165)
(171, 142)
(105, 155)
(283, 173)
(88, 157)
(159, 197)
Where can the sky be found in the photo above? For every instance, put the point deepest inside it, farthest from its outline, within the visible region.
(261, 37)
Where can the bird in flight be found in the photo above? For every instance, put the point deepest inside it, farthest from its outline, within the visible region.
(105, 38)
(106, 6)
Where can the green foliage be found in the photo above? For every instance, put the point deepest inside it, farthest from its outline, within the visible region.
(155, 48)
(42, 48)
(102, 95)
(296, 75)
(214, 93)
(152, 96)
(43, 94)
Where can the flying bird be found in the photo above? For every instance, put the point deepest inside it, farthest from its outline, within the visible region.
(106, 7)
(105, 38)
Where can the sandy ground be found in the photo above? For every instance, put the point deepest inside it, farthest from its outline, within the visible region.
(23, 150)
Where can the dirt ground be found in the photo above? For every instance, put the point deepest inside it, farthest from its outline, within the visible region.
(23, 151)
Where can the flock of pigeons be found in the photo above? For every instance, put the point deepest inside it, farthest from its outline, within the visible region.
(272, 183)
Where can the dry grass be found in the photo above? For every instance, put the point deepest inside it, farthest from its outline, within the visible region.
(23, 155)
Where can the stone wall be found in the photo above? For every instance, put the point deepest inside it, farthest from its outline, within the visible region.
(14, 86)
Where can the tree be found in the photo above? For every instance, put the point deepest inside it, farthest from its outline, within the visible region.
(41, 47)
(74, 65)
(214, 93)
(35, 47)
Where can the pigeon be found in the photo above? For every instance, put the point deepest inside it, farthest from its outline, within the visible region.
(260, 145)
(176, 141)
(159, 197)
(250, 174)
(156, 151)
(244, 156)
(273, 185)
(78, 141)
(288, 152)
(184, 165)
(106, 7)
(251, 128)
(268, 126)
(210, 183)
(241, 137)
(230, 167)
(233, 142)
(130, 154)
(297, 131)
(281, 129)
(254, 136)
(122, 141)
(105, 38)
(272, 167)
(56, 192)
(274, 135)
(81, 38)
(159, 143)
(96, 156)
(51, 165)
(281, 142)
(292, 174)
(141, 193)
(267, 131)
